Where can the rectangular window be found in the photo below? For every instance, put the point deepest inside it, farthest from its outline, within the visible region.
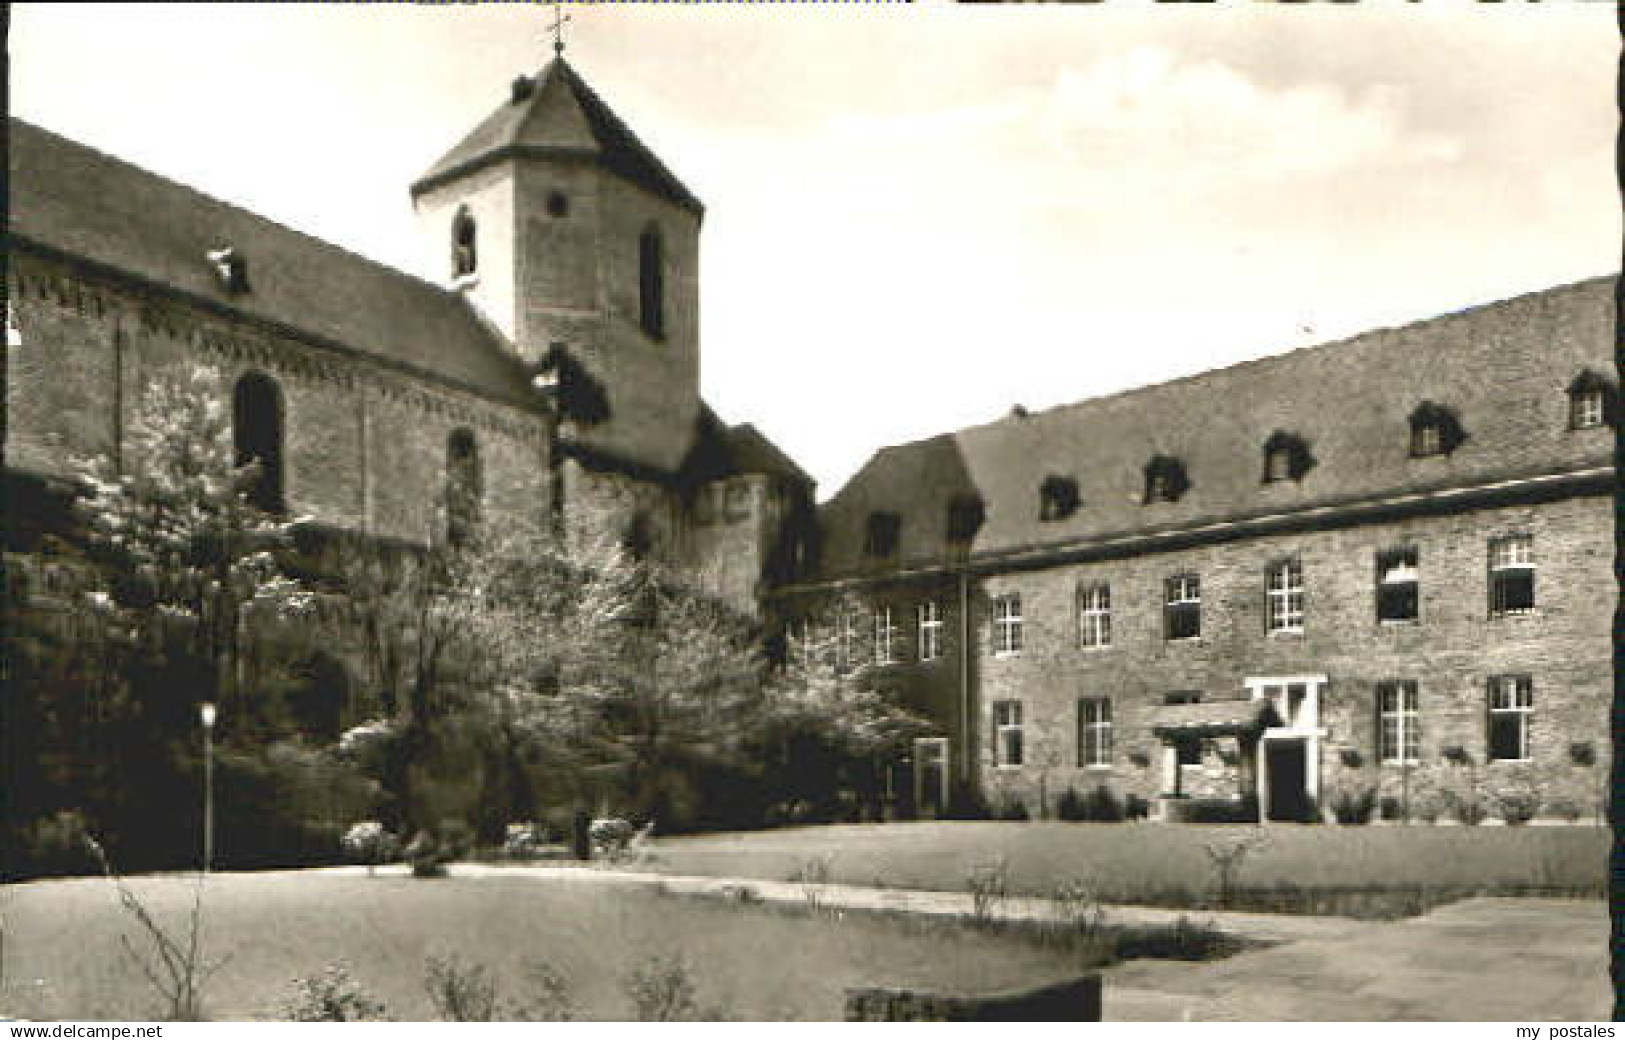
(1512, 574)
(1007, 733)
(1512, 702)
(1094, 731)
(1182, 607)
(1586, 409)
(929, 615)
(1398, 585)
(1283, 605)
(1007, 624)
(1398, 722)
(885, 636)
(1095, 616)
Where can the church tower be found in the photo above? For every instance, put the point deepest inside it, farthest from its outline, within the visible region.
(573, 239)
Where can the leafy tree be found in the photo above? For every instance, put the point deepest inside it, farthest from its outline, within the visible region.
(188, 565)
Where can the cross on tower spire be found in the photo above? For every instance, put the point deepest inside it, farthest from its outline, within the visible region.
(557, 28)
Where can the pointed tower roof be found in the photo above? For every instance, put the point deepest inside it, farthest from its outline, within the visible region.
(558, 114)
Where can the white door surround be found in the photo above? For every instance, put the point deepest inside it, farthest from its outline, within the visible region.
(1296, 699)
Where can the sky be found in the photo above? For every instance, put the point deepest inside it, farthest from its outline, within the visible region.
(920, 216)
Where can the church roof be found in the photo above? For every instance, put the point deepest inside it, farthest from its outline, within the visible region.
(1501, 369)
(720, 451)
(74, 200)
(558, 113)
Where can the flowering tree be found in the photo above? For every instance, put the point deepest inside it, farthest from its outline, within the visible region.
(188, 562)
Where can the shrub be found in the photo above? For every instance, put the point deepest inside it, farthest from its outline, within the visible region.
(368, 842)
(1104, 805)
(459, 992)
(332, 996)
(56, 845)
(1518, 807)
(549, 996)
(1070, 806)
(1137, 807)
(430, 851)
(1013, 808)
(1467, 808)
(967, 804)
(661, 990)
(523, 841)
(1390, 808)
(611, 836)
(1354, 807)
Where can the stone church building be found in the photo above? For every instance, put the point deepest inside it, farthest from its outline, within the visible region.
(1375, 566)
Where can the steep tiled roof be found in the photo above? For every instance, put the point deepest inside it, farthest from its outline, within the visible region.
(721, 451)
(559, 113)
(1503, 370)
(74, 200)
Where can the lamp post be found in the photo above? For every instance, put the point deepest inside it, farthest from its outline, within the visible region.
(206, 713)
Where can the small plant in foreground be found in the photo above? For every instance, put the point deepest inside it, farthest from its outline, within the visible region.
(662, 990)
(1354, 807)
(332, 996)
(1227, 857)
(522, 842)
(370, 843)
(176, 968)
(812, 875)
(459, 992)
(989, 885)
(1518, 807)
(548, 996)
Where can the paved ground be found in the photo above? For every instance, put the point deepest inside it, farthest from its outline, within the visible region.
(1496, 960)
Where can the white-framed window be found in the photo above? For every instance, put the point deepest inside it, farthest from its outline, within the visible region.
(1095, 615)
(1398, 585)
(1094, 731)
(1512, 574)
(1399, 733)
(885, 636)
(1511, 703)
(1007, 624)
(1587, 408)
(1007, 746)
(1283, 597)
(929, 615)
(1182, 607)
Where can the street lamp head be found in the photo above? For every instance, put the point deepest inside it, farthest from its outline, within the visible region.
(206, 711)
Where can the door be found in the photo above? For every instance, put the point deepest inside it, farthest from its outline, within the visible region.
(930, 776)
(1286, 765)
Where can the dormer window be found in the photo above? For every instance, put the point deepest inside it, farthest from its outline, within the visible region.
(1165, 479)
(1435, 430)
(1286, 457)
(965, 516)
(231, 268)
(881, 534)
(1058, 498)
(1592, 401)
(463, 234)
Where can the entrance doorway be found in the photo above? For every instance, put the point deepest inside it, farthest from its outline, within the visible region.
(930, 776)
(1287, 770)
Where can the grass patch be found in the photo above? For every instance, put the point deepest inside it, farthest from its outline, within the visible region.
(1368, 872)
(63, 959)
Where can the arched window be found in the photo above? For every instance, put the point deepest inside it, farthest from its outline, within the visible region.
(463, 486)
(463, 233)
(256, 428)
(651, 284)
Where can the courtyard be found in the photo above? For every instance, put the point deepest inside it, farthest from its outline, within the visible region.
(778, 925)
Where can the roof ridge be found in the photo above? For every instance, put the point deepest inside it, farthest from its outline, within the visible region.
(1246, 363)
(244, 210)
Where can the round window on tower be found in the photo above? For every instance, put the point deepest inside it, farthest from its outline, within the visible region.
(558, 205)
